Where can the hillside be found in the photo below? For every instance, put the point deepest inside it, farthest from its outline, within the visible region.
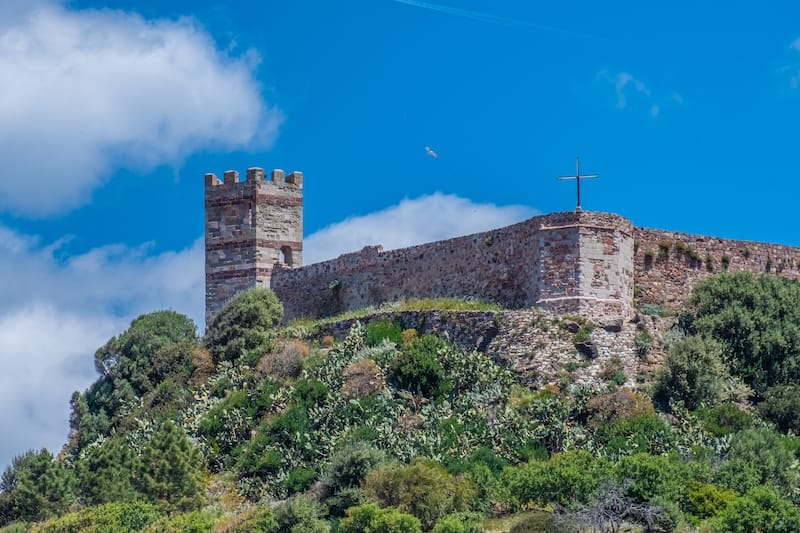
(438, 415)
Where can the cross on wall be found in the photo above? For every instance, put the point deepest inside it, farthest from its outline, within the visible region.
(578, 177)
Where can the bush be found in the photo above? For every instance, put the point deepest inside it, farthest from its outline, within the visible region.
(299, 479)
(617, 405)
(693, 374)
(643, 432)
(194, 522)
(724, 419)
(258, 519)
(422, 488)
(379, 330)
(464, 522)
(704, 500)
(287, 362)
(300, 514)
(418, 370)
(567, 478)
(761, 509)
(757, 318)
(369, 518)
(648, 476)
(361, 379)
(245, 324)
(349, 465)
(756, 457)
(110, 517)
(781, 405)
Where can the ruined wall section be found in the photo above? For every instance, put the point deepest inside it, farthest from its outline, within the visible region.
(568, 262)
(250, 225)
(668, 263)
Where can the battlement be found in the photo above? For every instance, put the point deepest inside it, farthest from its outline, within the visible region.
(256, 175)
(251, 225)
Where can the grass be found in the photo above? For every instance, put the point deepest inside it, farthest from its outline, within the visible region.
(414, 304)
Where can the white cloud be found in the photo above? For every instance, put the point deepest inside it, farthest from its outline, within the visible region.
(794, 68)
(57, 312)
(86, 92)
(425, 219)
(631, 91)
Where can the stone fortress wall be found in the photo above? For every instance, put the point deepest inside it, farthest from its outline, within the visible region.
(596, 265)
(668, 264)
(568, 262)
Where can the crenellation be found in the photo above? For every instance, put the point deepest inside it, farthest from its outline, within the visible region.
(231, 176)
(278, 176)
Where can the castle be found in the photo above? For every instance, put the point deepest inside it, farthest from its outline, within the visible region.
(585, 263)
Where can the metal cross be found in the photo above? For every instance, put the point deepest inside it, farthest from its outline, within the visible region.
(578, 177)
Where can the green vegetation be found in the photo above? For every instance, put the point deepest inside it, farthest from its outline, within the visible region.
(394, 431)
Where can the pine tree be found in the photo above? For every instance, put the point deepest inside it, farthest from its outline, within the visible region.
(171, 470)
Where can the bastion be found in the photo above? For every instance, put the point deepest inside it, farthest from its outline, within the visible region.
(585, 263)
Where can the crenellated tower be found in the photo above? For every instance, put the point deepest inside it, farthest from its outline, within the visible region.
(250, 226)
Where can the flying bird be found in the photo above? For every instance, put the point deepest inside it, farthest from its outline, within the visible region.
(430, 152)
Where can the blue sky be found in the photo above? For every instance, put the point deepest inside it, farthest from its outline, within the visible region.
(111, 112)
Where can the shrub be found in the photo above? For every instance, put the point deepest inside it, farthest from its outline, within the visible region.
(704, 500)
(258, 519)
(567, 478)
(643, 342)
(310, 392)
(299, 479)
(379, 330)
(245, 324)
(349, 465)
(361, 379)
(781, 405)
(643, 432)
(648, 476)
(110, 517)
(693, 373)
(613, 371)
(418, 370)
(759, 456)
(327, 341)
(194, 522)
(422, 488)
(409, 335)
(369, 518)
(300, 514)
(287, 362)
(724, 419)
(617, 405)
(761, 509)
(464, 522)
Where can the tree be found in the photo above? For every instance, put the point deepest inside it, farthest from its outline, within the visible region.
(105, 473)
(781, 405)
(170, 470)
(36, 487)
(757, 319)
(693, 373)
(244, 326)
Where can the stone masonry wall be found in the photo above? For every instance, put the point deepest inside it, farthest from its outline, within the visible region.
(250, 226)
(668, 264)
(567, 262)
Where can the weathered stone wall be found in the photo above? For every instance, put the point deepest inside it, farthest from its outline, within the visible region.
(567, 262)
(250, 226)
(668, 264)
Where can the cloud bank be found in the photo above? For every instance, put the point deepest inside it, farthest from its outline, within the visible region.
(87, 92)
(54, 314)
(425, 219)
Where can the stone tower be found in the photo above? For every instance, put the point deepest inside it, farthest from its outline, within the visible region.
(250, 226)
